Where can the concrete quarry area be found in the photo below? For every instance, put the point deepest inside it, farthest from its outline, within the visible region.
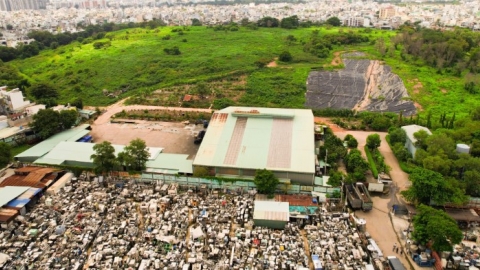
(363, 85)
(100, 224)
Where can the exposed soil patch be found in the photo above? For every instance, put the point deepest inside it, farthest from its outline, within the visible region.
(337, 60)
(444, 91)
(417, 87)
(328, 122)
(418, 106)
(273, 63)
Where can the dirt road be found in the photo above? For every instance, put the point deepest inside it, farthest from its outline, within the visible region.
(379, 225)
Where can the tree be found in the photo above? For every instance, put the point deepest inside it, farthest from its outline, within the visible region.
(434, 225)
(351, 141)
(268, 22)
(43, 91)
(67, 118)
(472, 183)
(285, 56)
(78, 103)
(335, 179)
(429, 186)
(373, 141)
(5, 154)
(9, 27)
(196, 22)
(475, 148)
(334, 21)
(290, 22)
(46, 123)
(135, 155)
(421, 137)
(397, 135)
(356, 165)
(104, 157)
(265, 181)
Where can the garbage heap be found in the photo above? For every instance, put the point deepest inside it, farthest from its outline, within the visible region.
(338, 244)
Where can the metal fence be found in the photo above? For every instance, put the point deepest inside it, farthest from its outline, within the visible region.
(244, 185)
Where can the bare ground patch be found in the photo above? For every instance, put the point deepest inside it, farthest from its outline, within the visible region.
(273, 63)
(417, 87)
(337, 59)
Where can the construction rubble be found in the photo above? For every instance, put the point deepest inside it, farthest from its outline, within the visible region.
(100, 225)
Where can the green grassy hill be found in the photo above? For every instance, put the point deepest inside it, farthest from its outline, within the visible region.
(224, 60)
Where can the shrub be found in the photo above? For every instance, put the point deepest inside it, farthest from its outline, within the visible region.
(371, 162)
(285, 56)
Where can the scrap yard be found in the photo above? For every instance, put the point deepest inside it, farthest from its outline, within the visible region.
(100, 224)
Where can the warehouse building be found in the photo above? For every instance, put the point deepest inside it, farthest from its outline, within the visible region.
(69, 148)
(271, 214)
(240, 140)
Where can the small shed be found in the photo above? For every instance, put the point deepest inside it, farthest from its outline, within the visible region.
(410, 143)
(271, 214)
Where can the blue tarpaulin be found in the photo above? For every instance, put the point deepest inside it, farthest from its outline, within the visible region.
(18, 203)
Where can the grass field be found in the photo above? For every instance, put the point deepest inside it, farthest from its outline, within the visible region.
(137, 64)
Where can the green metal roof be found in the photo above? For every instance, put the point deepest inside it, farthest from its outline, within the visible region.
(81, 152)
(42, 148)
(165, 161)
(259, 138)
(73, 152)
(9, 193)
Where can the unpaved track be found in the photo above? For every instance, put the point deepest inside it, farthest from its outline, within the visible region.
(379, 225)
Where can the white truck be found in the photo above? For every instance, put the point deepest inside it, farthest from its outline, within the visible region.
(376, 187)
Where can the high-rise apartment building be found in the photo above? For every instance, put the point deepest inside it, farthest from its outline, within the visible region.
(11, 5)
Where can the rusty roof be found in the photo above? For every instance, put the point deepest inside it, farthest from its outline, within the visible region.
(187, 98)
(38, 178)
(7, 215)
(296, 200)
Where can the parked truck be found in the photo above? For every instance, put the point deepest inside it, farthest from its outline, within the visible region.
(352, 197)
(395, 263)
(376, 187)
(362, 193)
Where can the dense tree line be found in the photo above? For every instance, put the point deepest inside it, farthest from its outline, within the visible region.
(133, 157)
(453, 51)
(321, 45)
(48, 122)
(47, 40)
(439, 165)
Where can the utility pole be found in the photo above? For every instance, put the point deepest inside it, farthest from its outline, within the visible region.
(325, 165)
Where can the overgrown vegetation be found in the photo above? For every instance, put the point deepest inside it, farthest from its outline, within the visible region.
(436, 227)
(135, 64)
(456, 173)
(164, 115)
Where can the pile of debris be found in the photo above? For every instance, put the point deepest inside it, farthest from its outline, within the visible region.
(105, 225)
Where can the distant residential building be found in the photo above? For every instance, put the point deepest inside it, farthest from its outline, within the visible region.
(60, 108)
(410, 143)
(386, 12)
(354, 22)
(12, 100)
(12, 5)
(31, 110)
